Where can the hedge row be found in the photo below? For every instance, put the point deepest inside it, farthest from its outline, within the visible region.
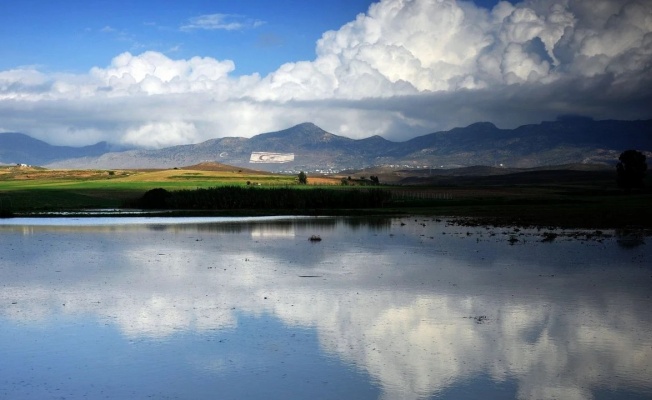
(237, 197)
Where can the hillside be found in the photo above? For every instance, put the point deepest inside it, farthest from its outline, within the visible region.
(18, 148)
(310, 148)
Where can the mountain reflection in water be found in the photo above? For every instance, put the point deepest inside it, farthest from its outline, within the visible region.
(418, 308)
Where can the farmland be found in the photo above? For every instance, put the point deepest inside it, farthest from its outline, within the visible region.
(592, 202)
(25, 189)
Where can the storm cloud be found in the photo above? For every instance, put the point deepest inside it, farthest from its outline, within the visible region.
(402, 69)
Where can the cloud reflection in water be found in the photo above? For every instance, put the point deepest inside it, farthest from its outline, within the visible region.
(419, 310)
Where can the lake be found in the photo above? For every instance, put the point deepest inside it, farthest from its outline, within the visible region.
(403, 308)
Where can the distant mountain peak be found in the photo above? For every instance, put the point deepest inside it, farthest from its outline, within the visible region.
(18, 148)
(306, 125)
(314, 149)
(303, 131)
(483, 125)
(374, 138)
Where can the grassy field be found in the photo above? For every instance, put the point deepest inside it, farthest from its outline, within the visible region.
(16, 178)
(584, 203)
(24, 189)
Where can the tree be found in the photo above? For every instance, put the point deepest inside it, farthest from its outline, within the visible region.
(303, 178)
(631, 169)
(155, 198)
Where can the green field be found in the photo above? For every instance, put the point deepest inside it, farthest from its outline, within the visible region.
(34, 189)
(593, 203)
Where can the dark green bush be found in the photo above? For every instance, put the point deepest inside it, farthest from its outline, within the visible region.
(155, 198)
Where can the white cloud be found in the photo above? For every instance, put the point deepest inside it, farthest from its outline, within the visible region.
(161, 134)
(153, 73)
(227, 22)
(22, 83)
(403, 68)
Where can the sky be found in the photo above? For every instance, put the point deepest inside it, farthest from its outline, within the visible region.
(161, 73)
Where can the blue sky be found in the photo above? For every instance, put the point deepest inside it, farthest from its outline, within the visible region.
(161, 73)
(75, 35)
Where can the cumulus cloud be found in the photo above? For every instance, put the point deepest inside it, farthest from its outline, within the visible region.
(403, 68)
(152, 73)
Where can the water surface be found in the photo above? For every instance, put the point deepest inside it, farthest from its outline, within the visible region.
(408, 308)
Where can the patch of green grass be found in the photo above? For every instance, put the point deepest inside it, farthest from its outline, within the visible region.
(48, 199)
(71, 192)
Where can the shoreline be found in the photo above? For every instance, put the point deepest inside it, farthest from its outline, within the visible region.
(461, 218)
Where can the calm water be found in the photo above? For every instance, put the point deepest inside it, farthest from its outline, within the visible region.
(250, 308)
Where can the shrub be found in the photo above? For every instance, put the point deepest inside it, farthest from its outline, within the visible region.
(155, 198)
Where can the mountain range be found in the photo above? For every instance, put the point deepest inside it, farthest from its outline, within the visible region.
(563, 141)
